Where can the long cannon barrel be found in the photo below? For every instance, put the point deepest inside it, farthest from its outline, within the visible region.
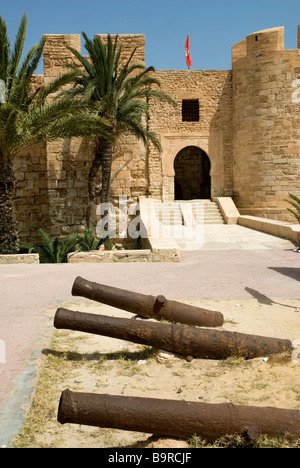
(180, 339)
(181, 419)
(146, 306)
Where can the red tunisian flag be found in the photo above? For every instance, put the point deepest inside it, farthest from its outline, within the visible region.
(188, 52)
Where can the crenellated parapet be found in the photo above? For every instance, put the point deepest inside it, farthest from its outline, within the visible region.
(56, 53)
(265, 41)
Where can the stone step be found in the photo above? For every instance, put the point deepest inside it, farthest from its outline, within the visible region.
(204, 211)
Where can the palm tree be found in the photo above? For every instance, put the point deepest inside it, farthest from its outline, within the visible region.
(118, 93)
(28, 116)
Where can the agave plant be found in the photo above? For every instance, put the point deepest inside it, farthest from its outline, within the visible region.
(295, 202)
(29, 116)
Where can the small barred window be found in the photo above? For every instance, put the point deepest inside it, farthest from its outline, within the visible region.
(190, 110)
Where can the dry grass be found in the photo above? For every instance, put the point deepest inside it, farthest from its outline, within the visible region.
(62, 369)
(89, 363)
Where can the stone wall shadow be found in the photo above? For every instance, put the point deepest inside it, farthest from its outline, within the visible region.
(221, 141)
(31, 196)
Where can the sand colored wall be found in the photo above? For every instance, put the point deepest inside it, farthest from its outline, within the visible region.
(266, 124)
(212, 134)
(52, 178)
(249, 127)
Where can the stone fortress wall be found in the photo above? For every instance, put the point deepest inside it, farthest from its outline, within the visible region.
(266, 123)
(247, 134)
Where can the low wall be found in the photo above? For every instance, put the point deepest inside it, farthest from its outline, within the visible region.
(228, 209)
(165, 250)
(19, 258)
(160, 250)
(269, 226)
(110, 256)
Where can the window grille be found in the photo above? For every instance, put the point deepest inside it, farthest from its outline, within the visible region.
(190, 110)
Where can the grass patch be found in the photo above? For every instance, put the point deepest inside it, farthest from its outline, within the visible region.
(75, 361)
(237, 441)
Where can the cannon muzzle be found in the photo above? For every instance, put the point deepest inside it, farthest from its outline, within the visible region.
(180, 339)
(146, 306)
(170, 418)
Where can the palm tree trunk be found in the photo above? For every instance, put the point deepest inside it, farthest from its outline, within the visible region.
(9, 240)
(103, 158)
(93, 175)
(106, 171)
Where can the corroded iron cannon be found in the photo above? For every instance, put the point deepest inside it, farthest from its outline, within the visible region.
(146, 306)
(181, 419)
(180, 339)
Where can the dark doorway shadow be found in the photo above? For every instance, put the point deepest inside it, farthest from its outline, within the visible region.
(192, 174)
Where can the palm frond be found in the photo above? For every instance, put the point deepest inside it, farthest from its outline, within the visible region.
(4, 50)
(33, 59)
(54, 122)
(65, 246)
(46, 250)
(32, 115)
(87, 65)
(294, 201)
(117, 92)
(18, 47)
(88, 241)
(26, 62)
(52, 250)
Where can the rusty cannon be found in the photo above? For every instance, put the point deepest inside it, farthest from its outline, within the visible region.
(147, 306)
(180, 339)
(181, 419)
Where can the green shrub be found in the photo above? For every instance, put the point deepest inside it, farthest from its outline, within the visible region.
(88, 241)
(52, 250)
(56, 250)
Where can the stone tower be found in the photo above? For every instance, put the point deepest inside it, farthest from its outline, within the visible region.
(266, 123)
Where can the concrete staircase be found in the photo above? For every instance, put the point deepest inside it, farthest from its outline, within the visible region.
(169, 213)
(185, 221)
(205, 211)
(189, 213)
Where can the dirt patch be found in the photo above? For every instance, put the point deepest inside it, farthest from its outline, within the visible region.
(96, 364)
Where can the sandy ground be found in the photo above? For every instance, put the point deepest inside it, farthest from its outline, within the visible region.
(100, 365)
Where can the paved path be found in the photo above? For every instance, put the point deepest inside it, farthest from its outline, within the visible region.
(263, 265)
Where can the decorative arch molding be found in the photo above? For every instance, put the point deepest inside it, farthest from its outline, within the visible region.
(173, 145)
(211, 145)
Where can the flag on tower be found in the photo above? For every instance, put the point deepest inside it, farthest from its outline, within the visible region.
(188, 52)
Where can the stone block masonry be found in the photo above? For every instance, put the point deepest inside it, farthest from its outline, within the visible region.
(266, 124)
(248, 128)
(211, 133)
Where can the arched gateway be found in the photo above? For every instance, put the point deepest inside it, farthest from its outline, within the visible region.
(192, 174)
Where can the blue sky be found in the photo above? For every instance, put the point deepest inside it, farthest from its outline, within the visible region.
(213, 25)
